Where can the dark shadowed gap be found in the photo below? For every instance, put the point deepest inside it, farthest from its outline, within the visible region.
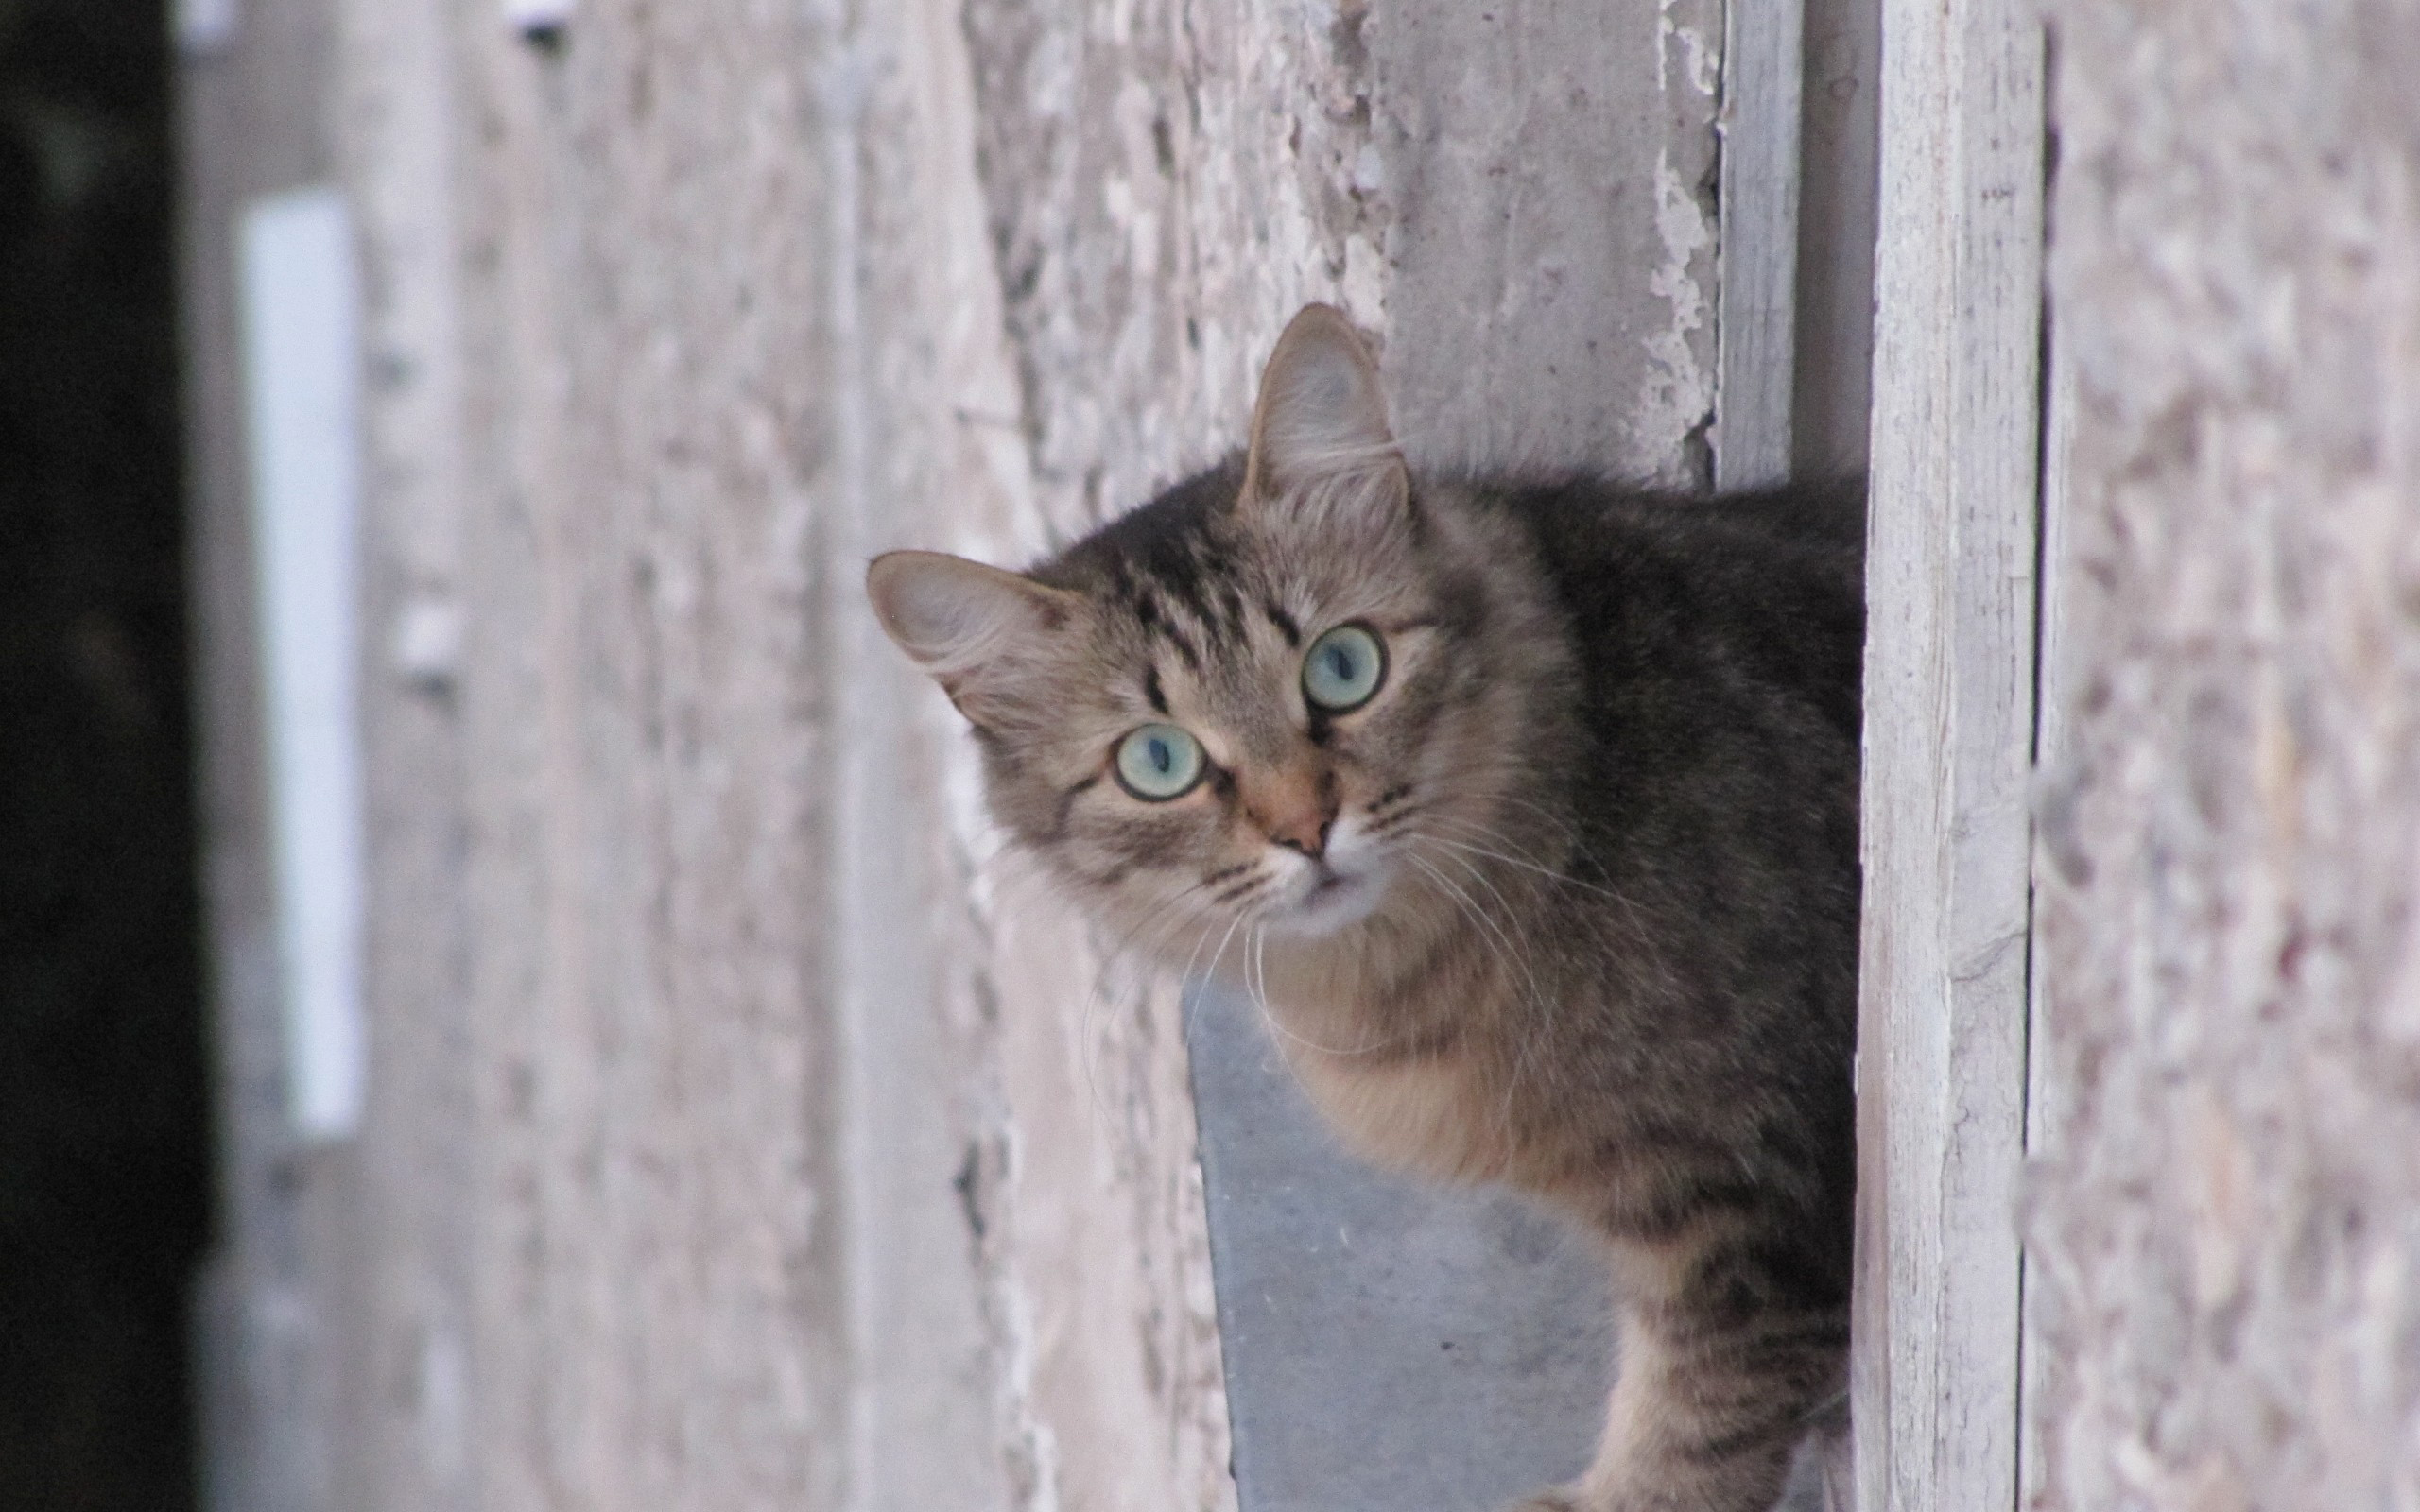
(104, 1156)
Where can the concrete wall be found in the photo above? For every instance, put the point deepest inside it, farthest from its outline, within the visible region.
(2225, 1208)
(743, 1130)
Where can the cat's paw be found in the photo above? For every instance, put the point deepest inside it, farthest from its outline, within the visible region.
(1556, 1500)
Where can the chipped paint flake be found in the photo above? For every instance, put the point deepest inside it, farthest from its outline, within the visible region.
(1678, 396)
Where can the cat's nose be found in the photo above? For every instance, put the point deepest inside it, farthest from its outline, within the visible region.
(1306, 832)
(1294, 810)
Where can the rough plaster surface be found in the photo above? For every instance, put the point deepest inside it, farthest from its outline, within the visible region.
(1550, 176)
(2225, 1206)
(658, 1289)
(801, 1151)
(745, 1130)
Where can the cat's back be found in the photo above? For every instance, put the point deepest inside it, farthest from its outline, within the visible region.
(1719, 645)
(1755, 596)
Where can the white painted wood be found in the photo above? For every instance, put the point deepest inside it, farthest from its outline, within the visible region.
(1949, 693)
(302, 369)
(1758, 269)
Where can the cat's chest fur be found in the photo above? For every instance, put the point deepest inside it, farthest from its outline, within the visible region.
(1438, 1069)
(1403, 1086)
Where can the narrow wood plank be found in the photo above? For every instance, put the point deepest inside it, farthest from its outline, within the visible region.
(1759, 272)
(1830, 412)
(1950, 693)
(2039, 1376)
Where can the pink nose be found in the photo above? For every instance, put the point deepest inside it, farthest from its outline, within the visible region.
(1294, 809)
(1305, 831)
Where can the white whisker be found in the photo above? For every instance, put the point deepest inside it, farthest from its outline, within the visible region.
(1529, 1041)
(1510, 860)
(1257, 987)
(1507, 955)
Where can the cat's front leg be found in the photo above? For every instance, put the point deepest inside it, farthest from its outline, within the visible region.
(1707, 1410)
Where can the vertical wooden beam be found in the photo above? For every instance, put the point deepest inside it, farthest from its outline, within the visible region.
(1831, 411)
(2037, 1373)
(1757, 272)
(1949, 700)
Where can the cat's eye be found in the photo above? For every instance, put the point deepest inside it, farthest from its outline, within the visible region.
(1344, 669)
(1157, 762)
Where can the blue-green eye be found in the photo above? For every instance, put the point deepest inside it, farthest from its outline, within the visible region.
(1344, 669)
(1158, 763)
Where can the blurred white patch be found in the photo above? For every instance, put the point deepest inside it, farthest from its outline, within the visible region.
(427, 645)
(538, 15)
(444, 1406)
(204, 25)
(302, 357)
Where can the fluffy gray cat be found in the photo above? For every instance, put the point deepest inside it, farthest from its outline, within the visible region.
(1529, 810)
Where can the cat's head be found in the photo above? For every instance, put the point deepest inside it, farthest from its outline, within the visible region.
(1267, 696)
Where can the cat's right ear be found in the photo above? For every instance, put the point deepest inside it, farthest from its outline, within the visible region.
(974, 628)
(1321, 415)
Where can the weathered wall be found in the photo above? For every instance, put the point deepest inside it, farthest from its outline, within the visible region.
(743, 1131)
(2225, 1210)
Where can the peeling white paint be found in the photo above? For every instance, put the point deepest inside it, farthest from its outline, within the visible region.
(1683, 31)
(1678, 397)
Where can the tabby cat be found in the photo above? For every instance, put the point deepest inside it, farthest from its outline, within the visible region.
(1529, 809)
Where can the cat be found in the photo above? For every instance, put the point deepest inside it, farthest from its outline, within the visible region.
(1529, 809)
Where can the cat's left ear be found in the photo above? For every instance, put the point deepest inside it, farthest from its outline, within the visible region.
(1321, 417)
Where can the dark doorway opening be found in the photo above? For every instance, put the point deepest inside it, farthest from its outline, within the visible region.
(104, 1123)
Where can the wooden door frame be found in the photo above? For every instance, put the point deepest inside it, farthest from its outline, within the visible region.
(1953, 534)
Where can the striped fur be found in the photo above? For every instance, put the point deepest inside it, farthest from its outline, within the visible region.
(1581, 911)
